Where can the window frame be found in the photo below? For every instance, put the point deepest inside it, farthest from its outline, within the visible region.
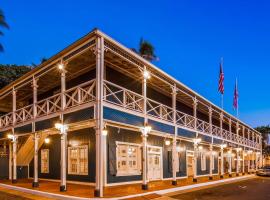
(42, 164)
(130, 172)
(78, 163)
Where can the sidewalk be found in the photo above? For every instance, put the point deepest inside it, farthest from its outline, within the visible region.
(133, 191)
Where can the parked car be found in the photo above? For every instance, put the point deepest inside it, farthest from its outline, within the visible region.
(264, 171)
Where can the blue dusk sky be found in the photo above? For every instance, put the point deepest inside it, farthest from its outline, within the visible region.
(190, 37)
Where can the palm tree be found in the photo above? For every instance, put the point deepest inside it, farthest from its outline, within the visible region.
(146, 50)
(3, 24)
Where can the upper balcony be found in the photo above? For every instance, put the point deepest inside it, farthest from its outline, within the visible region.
(80, 58)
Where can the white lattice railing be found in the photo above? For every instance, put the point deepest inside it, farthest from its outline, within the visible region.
(83, 93)
(75, 96)
(122, 97)
(6, 120)
(24, 114)
(49, 106)
(159, 111)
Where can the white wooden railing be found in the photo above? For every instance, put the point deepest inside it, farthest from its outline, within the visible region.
(120, 96)
(81, 94)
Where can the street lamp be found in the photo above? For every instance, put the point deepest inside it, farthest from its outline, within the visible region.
(146, 130)
(61, 127)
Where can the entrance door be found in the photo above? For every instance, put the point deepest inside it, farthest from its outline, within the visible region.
(190, 164)
(154, 163)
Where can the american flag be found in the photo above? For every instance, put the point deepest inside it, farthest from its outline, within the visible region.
(221, 80)
(235, 96)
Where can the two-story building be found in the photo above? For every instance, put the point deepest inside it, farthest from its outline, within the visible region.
(98, 113)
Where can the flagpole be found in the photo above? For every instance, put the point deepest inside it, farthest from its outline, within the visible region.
(222, 100)
(237, 108)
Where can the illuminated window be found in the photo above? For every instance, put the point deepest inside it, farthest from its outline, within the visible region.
(128, 157)
(44, 161)
(203, 161)
(78, 160)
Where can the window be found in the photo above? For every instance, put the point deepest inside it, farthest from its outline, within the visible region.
(203, 161)
(128, 159)
(78, 160)
(44, 160)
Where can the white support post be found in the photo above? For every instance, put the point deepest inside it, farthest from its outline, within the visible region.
(237, 152)
(63, 132)
(174, 152)
(211, 162)
(195, 158)
(10, 161)
(230, 163)
(222, 149)
(210, 112)
(222, 162)
(100, 138)
(14, 156)
(36, 137)
(243, 153)
(144, 134)
(14, 141)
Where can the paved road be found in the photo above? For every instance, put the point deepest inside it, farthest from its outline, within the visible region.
(251, 189)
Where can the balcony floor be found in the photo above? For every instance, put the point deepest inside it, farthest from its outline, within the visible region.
(80, 190)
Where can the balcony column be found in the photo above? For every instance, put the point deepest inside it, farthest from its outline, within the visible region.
(14, 140)
(174, 152)
(195, 104)
(36, 137)
(210, 112)
(237, 152)
(14, 156)
(248, 154)
(230, 163)
(221, 161)
(243, 153)
(10, 162)
(100, 138)
(222, 148)
(145, 132)
(63, 132)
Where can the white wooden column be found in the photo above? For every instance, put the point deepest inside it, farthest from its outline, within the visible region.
(222, 148)
(36, 137)
(100, 138)
(230, 163)
(237, 152)
(145, 132)
(174, 152)
(210, 112)
(195, 104)
(243, 153)
(14, 156)
(10, 161)
(63, 132)
(14, 140)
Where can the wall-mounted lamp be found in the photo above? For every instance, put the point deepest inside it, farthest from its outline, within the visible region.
(238, 149)
(167, 142)
(10, 136)
(61, 127)
(200, 147)
(146, 74)
(197, 140)
(47, 140)
(104, 132)
(61, 66)
(146, 130)
(222, 146)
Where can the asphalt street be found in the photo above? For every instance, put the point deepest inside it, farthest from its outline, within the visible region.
(252, 189)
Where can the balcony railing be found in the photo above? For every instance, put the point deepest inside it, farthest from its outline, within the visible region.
(81, 94)
(119, 96)
(130, 100)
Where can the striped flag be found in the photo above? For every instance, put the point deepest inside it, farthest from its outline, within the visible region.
(221, 80)
(235, 96)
